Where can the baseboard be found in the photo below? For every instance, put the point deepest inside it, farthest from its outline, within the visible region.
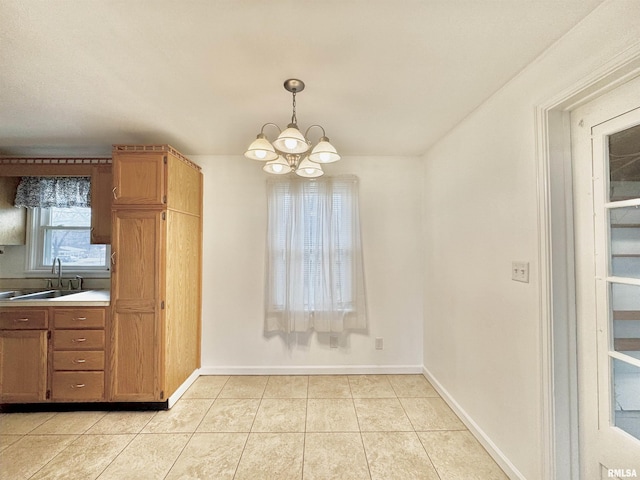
(313, 370)
(500, 458)
(183, 388)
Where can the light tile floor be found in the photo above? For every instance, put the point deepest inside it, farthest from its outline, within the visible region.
(374, 427)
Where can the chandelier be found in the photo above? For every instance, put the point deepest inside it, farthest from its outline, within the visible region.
(290, 151)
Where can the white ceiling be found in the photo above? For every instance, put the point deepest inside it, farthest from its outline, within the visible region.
(383, 77)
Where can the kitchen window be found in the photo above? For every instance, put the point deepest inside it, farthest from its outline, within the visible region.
(59, 219)
(64, 233)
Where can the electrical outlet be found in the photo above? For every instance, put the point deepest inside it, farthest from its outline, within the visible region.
(520, 271)
(333, 341)
(379, 343)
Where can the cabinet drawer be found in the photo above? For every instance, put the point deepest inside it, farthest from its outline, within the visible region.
(78, 339)
(81, 386)
(80, 360)
(11, 319)
(78, 318)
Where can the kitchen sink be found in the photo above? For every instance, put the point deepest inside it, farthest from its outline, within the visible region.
(8, 294)
(35, 295)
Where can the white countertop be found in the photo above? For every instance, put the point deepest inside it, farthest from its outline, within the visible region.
(88, 298)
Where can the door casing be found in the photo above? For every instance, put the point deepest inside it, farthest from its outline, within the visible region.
(557, 296)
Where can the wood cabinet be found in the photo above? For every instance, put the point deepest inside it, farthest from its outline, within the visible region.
(156, 272)
(139, 176)
(53, 354)
(13, 220)
(78, 354)
(135, 299)
(23, 355)
(101, 195)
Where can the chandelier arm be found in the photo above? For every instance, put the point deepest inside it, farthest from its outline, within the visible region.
(262, 129)
(307, 131)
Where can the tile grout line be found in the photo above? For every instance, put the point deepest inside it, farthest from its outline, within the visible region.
(196, 427)
(304, 436)
(415, 432)
(250, 428)
(364, 449)
(65, 448)
(56, 455)
(135, 435)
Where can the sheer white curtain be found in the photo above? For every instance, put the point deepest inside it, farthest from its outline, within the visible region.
(314, 273)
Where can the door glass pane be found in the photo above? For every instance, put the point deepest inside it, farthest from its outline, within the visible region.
(625, 241)
(625, 304)
(624, 164)
(626, 397)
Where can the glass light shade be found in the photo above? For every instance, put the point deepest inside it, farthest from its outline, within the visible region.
(277, 167)
(291, 141)
(261, 149)
(309, 169)
(324, 152)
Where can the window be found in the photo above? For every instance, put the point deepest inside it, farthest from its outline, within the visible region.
(314, 261)
(64, 233)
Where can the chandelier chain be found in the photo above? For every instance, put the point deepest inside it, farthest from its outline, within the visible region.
(294, 119)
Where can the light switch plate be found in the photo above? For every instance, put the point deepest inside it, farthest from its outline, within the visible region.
(520, 271)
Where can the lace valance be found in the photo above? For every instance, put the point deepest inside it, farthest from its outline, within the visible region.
(47, 192)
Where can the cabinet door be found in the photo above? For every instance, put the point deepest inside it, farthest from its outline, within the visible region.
(13, 220)
(23, 365)
(101, 195)
(139, 178)
(136, 279)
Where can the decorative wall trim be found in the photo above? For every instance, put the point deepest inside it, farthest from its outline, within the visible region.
(54, 161)
(313, 370)
(155, 148)
(497, 454)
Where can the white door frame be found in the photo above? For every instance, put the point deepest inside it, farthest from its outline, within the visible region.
(559, 400)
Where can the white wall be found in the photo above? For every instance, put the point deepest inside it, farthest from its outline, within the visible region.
(12, 261)
(481, 333)
(234, 243)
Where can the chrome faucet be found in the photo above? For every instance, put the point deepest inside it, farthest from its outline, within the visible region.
(53, 270)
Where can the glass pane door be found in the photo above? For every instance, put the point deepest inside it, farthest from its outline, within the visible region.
(619, 342)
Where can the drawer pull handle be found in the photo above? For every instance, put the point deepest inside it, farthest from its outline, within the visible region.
(80, 360)
(78, 385)
(79, 340)
(115, 195)
(81, 318)
(23, 320)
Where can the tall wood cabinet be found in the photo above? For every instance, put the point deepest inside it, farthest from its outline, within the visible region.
(156, 272)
